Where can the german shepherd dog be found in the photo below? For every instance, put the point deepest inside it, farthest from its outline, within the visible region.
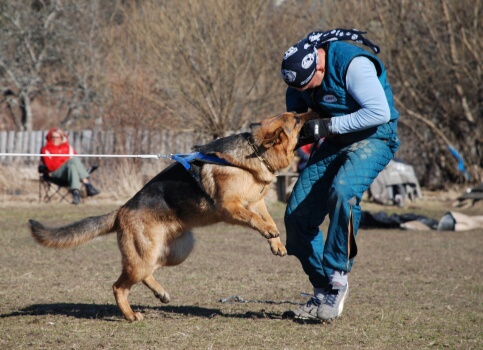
(154, 227)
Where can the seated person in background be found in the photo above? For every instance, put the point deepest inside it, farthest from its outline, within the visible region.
(66, 168)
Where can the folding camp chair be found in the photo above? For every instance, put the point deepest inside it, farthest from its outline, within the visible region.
(50, 188)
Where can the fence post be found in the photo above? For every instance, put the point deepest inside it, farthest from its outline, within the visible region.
(3, 144)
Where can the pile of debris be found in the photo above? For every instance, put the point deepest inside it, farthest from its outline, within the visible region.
(471, 196)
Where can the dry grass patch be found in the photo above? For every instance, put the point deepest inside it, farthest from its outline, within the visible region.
(410, 290)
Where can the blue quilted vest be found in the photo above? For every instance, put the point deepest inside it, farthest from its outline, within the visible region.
(332, 95)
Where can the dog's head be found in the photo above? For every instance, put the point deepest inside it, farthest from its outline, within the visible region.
(277, 136)
(280, 129)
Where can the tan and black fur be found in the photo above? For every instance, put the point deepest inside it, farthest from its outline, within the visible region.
(154, 227)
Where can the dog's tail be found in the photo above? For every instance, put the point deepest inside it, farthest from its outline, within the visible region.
(76, 233)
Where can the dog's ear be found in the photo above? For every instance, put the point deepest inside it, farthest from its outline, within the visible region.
(255, 126)
(263, 137)
(257, 133)
(272, 138)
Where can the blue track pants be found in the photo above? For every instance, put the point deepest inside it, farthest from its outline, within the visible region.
(332, 183)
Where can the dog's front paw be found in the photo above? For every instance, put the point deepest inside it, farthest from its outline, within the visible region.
(270, 233)
(274, 234)
(277, 247)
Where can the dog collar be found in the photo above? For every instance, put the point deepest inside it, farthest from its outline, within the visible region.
(259, 156)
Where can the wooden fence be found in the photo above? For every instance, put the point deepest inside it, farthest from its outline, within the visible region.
(99, 142)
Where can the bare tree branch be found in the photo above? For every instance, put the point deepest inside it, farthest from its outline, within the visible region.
(456, 63)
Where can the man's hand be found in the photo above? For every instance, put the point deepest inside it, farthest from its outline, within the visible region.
(313, 131)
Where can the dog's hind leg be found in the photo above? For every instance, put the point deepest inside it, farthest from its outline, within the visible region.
(158, 291)
(121, 290)
(175, 252)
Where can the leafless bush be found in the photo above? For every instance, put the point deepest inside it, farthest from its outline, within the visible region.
(130, 106)
(214, 66)
(213, 61)
(432, 51)
(49, 52)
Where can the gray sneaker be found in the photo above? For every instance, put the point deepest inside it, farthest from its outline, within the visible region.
(333, 303)
(308, 310)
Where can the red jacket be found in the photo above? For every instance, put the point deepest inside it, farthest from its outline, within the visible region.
(54, 163)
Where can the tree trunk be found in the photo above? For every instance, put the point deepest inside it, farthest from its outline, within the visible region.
(26, 110)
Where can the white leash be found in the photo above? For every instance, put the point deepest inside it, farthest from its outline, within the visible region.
(153, 156)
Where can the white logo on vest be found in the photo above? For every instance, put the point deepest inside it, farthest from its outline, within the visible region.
(329, 98)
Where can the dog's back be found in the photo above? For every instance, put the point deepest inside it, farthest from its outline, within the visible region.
(174, 192)
(223, 145)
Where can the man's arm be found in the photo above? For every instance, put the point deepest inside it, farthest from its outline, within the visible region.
(364, 86)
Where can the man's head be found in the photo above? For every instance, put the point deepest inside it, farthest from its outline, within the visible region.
(303, 60)
(299, 64)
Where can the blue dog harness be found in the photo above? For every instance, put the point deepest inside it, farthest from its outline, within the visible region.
(187, 160)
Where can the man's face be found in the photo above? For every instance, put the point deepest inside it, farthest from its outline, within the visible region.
(315, 81)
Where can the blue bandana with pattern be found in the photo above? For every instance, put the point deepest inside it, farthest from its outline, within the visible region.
(300, 61)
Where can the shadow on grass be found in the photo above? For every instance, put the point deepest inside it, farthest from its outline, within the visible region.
(87, 311)
(112, 313)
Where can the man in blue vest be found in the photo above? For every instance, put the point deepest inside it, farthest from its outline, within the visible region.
(348, 88)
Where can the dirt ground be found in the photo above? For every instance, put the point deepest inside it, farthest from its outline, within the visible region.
(409, 289)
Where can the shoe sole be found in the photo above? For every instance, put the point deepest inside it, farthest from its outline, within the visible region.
(305, 317)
